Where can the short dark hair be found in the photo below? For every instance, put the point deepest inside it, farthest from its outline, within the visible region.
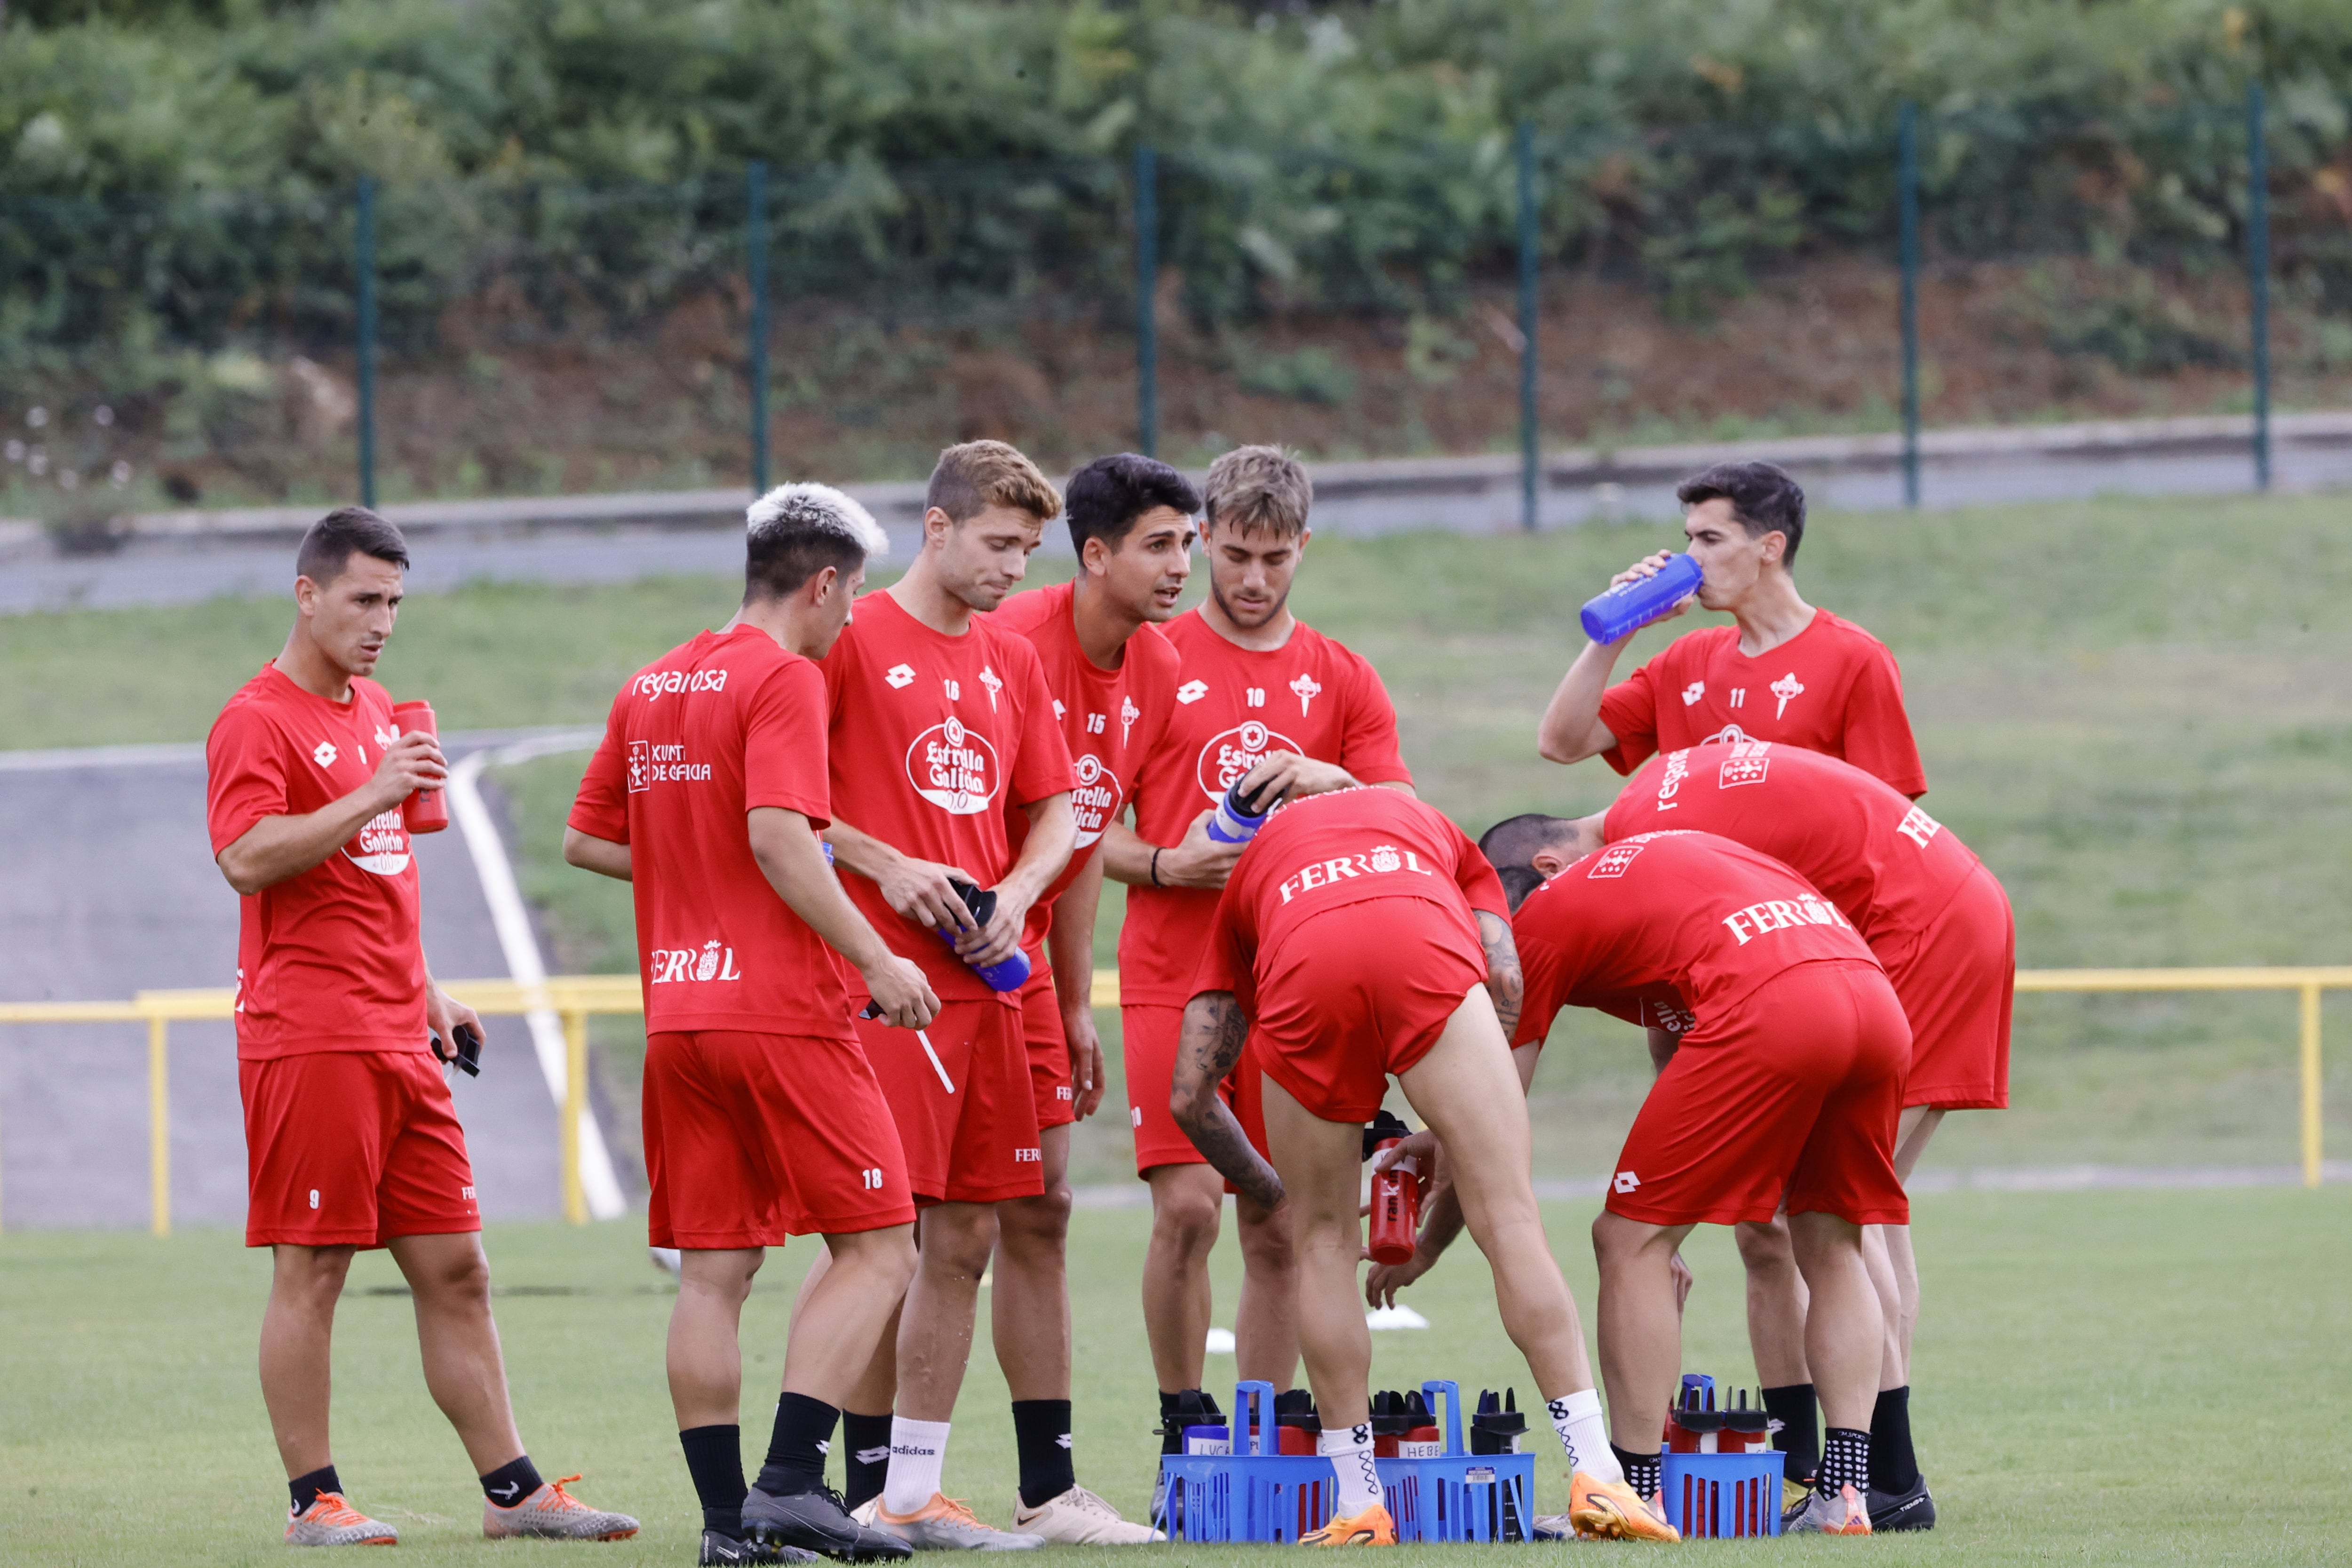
(1762, 496)
(795, 532)
(348, 530)
(1511, 847)
(1104, 499)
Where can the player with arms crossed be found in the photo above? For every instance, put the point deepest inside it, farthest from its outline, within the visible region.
(351, 1138)
(762, 1118)
(1785, 671)
(1113, 677)
(1264, 697)
(1362, 936)
(1938, 923)
(939, 724)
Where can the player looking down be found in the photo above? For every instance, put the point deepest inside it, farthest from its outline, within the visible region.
(1362, 936)
(1264, 697)
(1780, 1050)
(939, 724)
(1784, 671)
(1938, 923)
(352, 1138)
(1113, 680)
(762, 1118)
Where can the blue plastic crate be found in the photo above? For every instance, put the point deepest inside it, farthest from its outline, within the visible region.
(1720, 1495)
(1458, 1496)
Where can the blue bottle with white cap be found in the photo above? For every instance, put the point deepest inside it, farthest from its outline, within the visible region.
(1629, 606)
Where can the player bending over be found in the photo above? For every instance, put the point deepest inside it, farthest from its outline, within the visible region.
(352, 1138)
(1361, 935)
(762, 1118)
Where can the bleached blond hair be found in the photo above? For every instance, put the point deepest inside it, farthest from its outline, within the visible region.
(794, 532)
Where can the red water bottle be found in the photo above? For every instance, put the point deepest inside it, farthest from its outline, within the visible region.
(1396, 1208)
(426, 810)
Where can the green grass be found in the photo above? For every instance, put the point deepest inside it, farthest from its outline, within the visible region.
(2101, 1378)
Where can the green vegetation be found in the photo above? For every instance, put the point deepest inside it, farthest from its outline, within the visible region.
(2141, 1378)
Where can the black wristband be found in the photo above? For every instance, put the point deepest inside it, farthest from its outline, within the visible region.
(1155, 869)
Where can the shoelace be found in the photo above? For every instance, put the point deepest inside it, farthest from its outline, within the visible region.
(564, 1501)
(958, 1512)
(333, 1510)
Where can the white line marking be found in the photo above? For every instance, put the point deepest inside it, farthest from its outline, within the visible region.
(945, 1081)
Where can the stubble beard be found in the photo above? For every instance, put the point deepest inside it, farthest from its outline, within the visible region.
(1225, 607)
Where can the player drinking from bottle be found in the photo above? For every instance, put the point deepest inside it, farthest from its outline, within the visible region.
(1113, 680)
(1362, 936)
(352, 1138)
(1262, 697)
(939, 724)
(762, 1118)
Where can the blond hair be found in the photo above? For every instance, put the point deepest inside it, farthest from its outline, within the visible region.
(1258, 489)
(979, 474)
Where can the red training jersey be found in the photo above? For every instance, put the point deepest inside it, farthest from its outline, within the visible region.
(697, 738)
(1833, 689)
(1669, 930)
(933, 737)
(1111, 719)
(1885, 863)
(1326, 852)
(1312, 696)
(331, 958)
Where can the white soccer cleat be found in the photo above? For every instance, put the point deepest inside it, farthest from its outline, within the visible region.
(1079, 1518)
(551, 1514)
(331, 1521)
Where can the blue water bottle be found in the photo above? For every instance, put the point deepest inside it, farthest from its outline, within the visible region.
(1240, 815)
(1631, 605)
(1006, 973)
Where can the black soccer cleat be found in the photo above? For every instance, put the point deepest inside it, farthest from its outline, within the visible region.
(818, 1521)
(1913, 1510)
(720, 1550)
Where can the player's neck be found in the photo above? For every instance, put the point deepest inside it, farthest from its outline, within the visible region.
(1267, 638)
(1102, 627)
(773, 617)
(301, 663)
(922, 596)
(1770, 614)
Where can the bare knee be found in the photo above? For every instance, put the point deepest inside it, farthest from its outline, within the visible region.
(1037, 1226)
(726, 1276)
(957, 1240)
(1766, 1247)
(458, 1277)
(1186, 1220)
(1270, 1248)
(1819, 1240)
(309, 1278)
(886, 1258)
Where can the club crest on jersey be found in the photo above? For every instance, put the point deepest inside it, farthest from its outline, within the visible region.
(381, 844)
(1306, 688)
(1228, 757)
(1098, 797)
(1191, 691)
(1612, 861)
(995, 682)
(1748, 765)
(1785, 687)
(954, 768)
(386, 735)
(1128, 714)
(899, 677)
(1730, 734)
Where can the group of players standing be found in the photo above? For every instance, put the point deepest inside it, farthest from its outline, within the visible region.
(839, 831)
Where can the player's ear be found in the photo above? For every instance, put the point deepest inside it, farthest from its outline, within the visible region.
(937, 525)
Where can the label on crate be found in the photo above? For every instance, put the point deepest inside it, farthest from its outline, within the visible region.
(1478, 1475)
(1421, 1450)
(1208, 1446)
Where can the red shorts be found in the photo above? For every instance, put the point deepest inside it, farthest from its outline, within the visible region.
(1149, 1034)
(751, 1140)
(1049, 1052)
(966, 1116)
(352, 1148)
(1956, 980)
(1356, 994)
(1794, 1092)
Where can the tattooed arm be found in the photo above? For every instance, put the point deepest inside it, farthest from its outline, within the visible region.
(1210, 1049)
(1505, 982)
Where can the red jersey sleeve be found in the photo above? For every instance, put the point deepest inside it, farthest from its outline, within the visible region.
(1877, 730)
(1229, 961)
(1545, 973)
(601, 809)
(245, 767)
(784, 756)
(1368, 749)
(1630, 709)
(1475, 877)
(1042, 766)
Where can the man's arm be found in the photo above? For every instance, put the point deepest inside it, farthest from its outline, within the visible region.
(443, 1014)
(1196, 860)
(1571, 729)
(1070, 943)
(921, 891)
(1053, 833)
(1664, 1042)
(278, 847)
(1294, 777)
(789, 858)
(1210, 1047)
(1504, 983)
(591, 853)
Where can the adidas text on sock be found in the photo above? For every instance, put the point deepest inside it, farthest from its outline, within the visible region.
(917, 1452)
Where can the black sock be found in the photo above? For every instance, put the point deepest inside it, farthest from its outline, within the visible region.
(1799, 1435)
(1845, 1461)
(512, 1482)
(1641, 1470)
(1041, 1430)
(867, 1439)
(306, 1488)
(1893, 1468)
(714, 1458)
(1171, 1434)
(796, 1452)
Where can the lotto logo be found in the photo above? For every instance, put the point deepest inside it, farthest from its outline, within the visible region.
(1612, 861)
(1191, 691)
(323, 754)
(1693, 692)
(899, 677)
(1626, 1182)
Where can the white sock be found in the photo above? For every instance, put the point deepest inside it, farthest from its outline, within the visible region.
(1349, 1450)
(1583, 1434)
(917, 1449)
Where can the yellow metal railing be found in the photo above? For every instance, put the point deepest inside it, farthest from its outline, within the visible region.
(573, 997)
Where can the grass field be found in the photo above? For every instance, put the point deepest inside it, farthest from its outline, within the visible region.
(2141, 1378)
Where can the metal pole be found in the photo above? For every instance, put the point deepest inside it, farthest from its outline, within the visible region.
(756, 201)
(2258, 265)
(159, 1124)
(575, 1109)
(1530, 439)
(2312, 1149)
(1146, 289)
(1909, 186)
(365, 265)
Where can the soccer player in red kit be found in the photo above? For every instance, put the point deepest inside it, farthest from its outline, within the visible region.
(939, 724)
(1113, 680)
(1938, 923)
(1363, 937)
(352, 1138)
(1781, 1050)
(1262, 696)
(762, 1118)
(1784, 671)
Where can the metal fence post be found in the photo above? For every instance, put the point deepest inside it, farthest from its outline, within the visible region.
(2258, 267)
(1908, 185)
(756, 202)
(365, 263)
(1530, 438)
(159, 1124)
(1147, 290)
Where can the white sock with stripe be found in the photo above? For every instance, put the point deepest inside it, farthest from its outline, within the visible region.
(1350, 1450)
(1585, 1435)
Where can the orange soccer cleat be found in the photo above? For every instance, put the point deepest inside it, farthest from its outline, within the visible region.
(1373, 1527)
(1611, 1511)
(331, 1521)
(552, 1514)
